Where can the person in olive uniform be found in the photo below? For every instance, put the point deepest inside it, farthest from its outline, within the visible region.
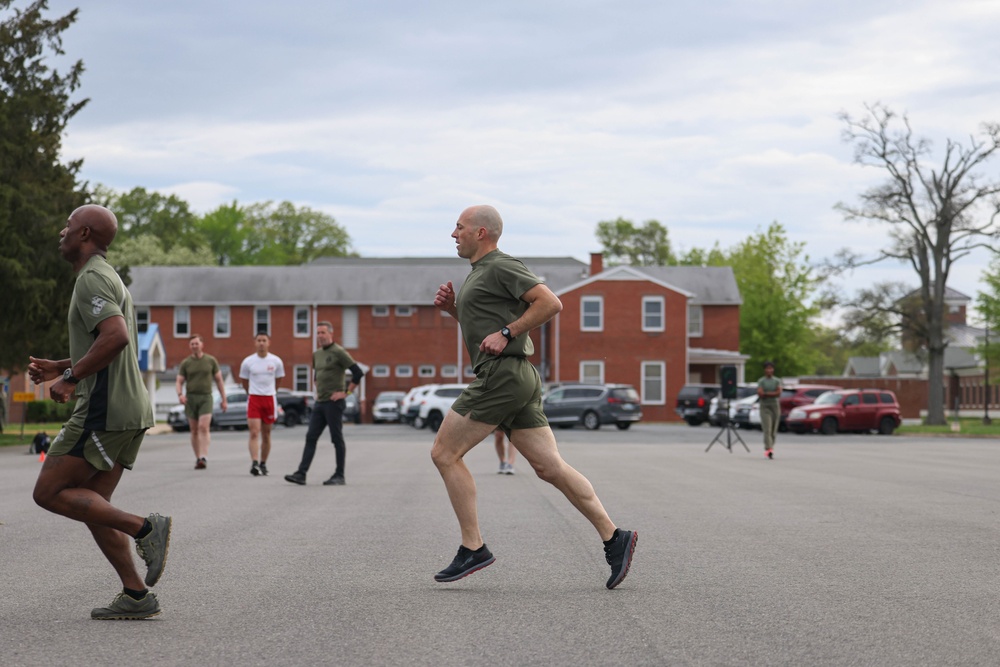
(331, 362)
(500, 302)
(199, 371)
(769, 391)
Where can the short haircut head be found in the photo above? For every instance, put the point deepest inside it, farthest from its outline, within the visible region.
(488, 218)
(325, 324)
(198, 336)
(262, 333)
(768, 363)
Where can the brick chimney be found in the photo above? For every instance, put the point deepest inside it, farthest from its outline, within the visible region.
(596, 263)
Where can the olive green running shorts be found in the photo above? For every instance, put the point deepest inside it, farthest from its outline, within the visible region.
(198, 405)
(507, 392)
(101, 449)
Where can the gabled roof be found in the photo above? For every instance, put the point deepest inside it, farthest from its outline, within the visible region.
(862, 367)
(964, 335)
(704, 285)
(390, 281)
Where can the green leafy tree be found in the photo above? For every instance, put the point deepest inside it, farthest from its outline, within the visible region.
(37, 190)
(224, 232)
(624, 243)
(936, 215)
(776, 284)
(283, 234)
(148, 250)
(141, 212)
(988, 306)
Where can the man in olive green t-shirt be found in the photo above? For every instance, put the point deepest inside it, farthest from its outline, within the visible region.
(199, 371)
(101, 438)
(499, 304)
(769, 391)
(331, 363)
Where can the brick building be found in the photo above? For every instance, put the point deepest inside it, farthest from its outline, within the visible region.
(653, 327)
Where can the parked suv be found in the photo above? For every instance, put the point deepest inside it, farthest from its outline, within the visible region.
(296, 404)
(592, 405)
(694, 402)
(409, 407)
(848, 410)
(801, 394)
(386, 406)
(435, 405)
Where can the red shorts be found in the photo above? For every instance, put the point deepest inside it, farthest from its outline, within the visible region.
(264, 408)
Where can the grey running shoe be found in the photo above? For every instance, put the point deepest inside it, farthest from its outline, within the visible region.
(154, 547)
(619, 555)
(336, 480)
(125, 608)
(297, 477)
(503, 468)
(466, 562)
(509, 470)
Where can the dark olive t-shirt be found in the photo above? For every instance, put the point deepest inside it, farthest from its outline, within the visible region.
(490, 299)
(330, 364)
(199, 374)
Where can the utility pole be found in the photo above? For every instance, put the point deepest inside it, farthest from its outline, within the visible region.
(986, 380)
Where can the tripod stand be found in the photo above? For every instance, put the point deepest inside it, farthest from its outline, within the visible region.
(727, 428)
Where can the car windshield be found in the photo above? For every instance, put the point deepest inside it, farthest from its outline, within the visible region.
(829, 398)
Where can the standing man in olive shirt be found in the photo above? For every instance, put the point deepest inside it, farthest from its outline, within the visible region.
(769, 391)
(101, 439)
(331, 362)
(199, 371)
(500, 302)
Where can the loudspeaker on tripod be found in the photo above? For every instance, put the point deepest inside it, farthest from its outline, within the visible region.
(727, 375)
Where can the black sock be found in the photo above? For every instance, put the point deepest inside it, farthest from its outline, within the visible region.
(146, 529)
(136, 595)
(614, 537)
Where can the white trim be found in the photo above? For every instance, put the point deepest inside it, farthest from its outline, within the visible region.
(623, 273)
(422, 371)
(380, 311)
(701, 321)
(663, 382)
(295, 377)
(663, 313)
(256, 325)
(295, 322)
(229, 321)
(403, 371)
(187, 321)
(381, 371)
(599, 300)
(590, 362)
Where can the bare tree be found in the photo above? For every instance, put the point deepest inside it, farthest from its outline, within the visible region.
(936, 216)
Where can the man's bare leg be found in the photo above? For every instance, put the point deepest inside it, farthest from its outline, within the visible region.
(538, 446)
(455, 438)
(204, 436)
(195, 436)
(254, 426)
(265, 441)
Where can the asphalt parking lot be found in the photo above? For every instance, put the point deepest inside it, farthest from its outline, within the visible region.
(844, 550)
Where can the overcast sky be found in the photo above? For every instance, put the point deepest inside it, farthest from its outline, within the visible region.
(714, 117)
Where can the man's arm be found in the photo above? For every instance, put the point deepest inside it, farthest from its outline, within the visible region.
(445, 299)
(543, 305)
(112, 338)
(222, 389)
(180, 389)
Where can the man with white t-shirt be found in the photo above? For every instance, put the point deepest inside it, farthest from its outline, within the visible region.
(259, 374)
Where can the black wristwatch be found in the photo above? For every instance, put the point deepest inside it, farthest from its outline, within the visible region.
(505, 332)
(68, 376)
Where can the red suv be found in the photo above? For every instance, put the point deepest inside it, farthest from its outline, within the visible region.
(800, 394)
(848, 410)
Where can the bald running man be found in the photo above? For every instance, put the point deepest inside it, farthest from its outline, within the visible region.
(499, 304)
(101, 439)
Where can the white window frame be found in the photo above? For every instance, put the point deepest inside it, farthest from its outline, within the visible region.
(380, 311)
(696, 321)
(449, 371)
(182, 315)
(662, 365)
(589, 378)
(426, 371)
(599, 300)
(257, 310)
(663, 316)
(404, 311)
(296, 320)
(381, 370)
(301, 376)
(222, 315)
(141, 323)
(404, 370)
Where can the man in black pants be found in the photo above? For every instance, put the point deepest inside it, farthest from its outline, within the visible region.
(330, 364)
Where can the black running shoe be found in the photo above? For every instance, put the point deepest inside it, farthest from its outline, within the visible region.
(336, 480)
(255, 469)
(619, 555)
(297, 477)
(466, 562)
(263, 468)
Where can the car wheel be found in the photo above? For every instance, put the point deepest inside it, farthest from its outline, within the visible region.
(623, 426)
(886, 426)
(434, 421)
(591, 421)
(292, 418)
(828, 426)
(418, 422)
(693, 421)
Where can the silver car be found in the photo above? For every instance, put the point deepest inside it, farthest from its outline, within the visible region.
(386, 406)
(234, 417)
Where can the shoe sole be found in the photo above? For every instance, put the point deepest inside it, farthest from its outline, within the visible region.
(166, 550)
(126, 617)
(456, 577)
(295, 481)
(628, 561)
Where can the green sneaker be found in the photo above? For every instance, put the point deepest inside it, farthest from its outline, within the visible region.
(154, 547)
(125, 608)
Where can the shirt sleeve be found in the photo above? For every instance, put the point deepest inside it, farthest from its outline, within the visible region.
(518, 279)
(245, 370)
(96, 299)
(279, 370)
